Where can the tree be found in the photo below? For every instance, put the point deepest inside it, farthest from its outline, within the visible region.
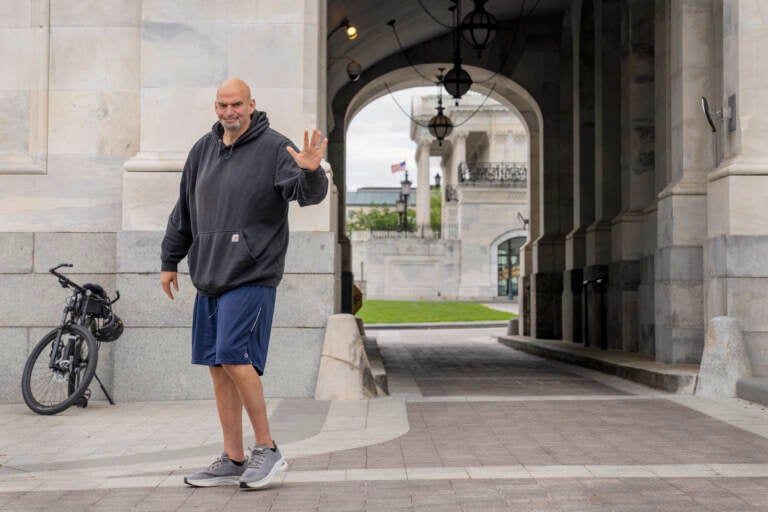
(435, 210)
(379, 218)
(385, 218)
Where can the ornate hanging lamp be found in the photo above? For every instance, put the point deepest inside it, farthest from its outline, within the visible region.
(479, 27)
(457, 81)
(440, 126)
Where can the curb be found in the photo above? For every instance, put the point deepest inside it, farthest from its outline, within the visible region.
(437, 325)
(649, 373)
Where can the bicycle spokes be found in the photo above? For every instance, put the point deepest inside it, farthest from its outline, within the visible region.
(59, 370)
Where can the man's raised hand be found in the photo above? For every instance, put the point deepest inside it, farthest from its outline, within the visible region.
(312, 152)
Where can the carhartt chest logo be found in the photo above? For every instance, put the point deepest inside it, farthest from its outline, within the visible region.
(236, 237)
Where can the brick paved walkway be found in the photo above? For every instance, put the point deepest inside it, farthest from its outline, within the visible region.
(472, 426)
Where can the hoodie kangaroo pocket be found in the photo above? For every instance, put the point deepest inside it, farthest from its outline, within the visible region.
(219, 260)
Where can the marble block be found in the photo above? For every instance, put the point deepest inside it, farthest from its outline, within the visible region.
(112, 61)
(15, 350)
(16, 251)
(92, 253)
(111, 13)
(344, 373)
(724, 360)
(93, 123)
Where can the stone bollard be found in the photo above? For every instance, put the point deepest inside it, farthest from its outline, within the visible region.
(725, 359)
(513, 327)
(345, 373)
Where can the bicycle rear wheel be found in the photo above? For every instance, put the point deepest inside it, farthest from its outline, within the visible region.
(49, 390)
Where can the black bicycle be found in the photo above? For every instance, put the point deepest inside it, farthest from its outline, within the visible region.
(63, 363)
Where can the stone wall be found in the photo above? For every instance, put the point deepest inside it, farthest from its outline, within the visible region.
(151, 360)
(407, 268)
(101, 105)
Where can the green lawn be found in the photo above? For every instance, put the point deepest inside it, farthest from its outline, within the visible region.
(405, 312)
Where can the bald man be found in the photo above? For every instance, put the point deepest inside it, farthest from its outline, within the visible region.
(231, 222)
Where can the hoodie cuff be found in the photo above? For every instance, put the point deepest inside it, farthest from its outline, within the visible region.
(168, 266)
(317, 171)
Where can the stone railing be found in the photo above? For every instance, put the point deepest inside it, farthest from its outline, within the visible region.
(512, 174)
(428, 234)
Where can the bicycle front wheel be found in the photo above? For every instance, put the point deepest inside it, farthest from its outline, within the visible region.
(57, 374)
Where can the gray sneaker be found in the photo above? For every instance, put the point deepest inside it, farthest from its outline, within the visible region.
(262, 468)
(222, 471)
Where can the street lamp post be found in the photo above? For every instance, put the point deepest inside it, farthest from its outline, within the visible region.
(401, 208)
(402, 202)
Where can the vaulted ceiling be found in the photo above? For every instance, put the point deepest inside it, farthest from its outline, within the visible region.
(414, 25)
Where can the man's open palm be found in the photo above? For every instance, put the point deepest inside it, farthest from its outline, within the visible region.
(312, 152)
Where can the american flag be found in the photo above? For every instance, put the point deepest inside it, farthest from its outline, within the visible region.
(398, 167)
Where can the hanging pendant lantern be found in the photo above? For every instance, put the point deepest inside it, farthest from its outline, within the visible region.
(440, 126)
(479, 27)
(457, 81)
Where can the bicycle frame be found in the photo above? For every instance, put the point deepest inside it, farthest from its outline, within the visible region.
(75, 308)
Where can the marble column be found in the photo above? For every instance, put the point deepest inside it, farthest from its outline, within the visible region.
(682, 205)
(607, 15)
(451, 180)
(458, 156)
(637, 176)
(555, 199)
(583, 171)
(422, 190)
(735, 263)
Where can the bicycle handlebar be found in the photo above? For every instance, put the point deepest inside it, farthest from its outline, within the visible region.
(64, 281)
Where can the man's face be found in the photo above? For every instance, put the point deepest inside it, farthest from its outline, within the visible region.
(234, 108)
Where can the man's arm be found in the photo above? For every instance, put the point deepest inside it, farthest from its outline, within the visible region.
(299, 176)
(178, 237)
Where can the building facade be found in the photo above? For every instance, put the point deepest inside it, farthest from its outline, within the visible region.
(484, 196)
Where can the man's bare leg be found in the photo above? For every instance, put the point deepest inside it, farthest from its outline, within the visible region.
(230, 412)
(251, 391)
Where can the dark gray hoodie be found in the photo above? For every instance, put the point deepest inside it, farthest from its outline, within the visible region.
(231, 219)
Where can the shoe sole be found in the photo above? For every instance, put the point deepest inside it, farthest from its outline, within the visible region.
(258, 484)
(213, 482)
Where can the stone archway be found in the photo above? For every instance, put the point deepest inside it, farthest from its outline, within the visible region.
(500, 88)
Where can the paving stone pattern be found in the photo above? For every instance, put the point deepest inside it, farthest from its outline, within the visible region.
(564, 440)
(552, 432)
(443, 365)
(554, 495)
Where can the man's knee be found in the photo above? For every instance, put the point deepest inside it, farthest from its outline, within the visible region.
(240, 370)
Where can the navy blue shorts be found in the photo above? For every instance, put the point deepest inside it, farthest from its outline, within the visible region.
(234, 327)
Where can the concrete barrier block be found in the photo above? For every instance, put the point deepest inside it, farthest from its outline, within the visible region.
(344, 373)
(724, 360)
(513, 327)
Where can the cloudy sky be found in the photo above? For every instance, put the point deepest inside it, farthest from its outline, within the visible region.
(378, 137)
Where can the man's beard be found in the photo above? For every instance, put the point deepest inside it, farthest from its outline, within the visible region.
(231, 125)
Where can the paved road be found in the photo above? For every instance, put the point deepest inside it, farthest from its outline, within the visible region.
(471, 425)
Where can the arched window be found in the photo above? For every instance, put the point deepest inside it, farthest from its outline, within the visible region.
(509, 266)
